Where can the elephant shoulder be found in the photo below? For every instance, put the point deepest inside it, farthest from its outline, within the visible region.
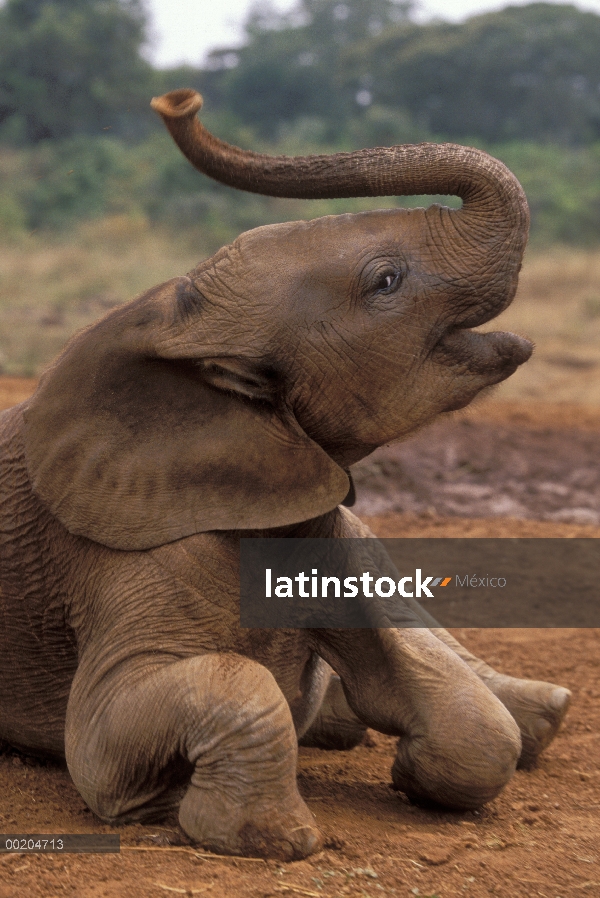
(207, 564)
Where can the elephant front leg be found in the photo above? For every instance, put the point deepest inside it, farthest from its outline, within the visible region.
(219, 721)
(459, 745)
(538, 707)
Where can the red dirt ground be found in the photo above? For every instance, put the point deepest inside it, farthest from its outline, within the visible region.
(540, 837)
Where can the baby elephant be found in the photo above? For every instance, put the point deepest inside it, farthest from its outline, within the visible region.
(229, 403)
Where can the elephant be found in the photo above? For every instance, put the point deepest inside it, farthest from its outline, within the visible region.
(232, 402)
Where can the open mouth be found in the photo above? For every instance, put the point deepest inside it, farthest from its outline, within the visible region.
(493, 356)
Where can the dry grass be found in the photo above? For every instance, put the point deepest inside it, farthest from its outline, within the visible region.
(48, 290)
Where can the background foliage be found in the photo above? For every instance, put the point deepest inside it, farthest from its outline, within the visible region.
(78, 142)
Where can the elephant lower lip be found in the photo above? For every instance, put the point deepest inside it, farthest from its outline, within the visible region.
(494, 355)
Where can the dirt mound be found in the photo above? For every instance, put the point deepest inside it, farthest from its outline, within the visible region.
(497, 462)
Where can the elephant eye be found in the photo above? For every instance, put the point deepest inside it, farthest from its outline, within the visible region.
(388, 282)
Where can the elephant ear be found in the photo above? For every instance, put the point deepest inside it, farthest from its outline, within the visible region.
(134, 449)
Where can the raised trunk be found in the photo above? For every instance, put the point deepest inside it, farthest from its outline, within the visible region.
(492, 196)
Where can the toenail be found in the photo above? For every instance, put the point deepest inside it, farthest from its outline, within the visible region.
(312, 842)
(559, 698)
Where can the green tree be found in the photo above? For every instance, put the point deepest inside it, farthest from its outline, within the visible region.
(289, 66)
(72, 67)
(527, 73)
(530, 72)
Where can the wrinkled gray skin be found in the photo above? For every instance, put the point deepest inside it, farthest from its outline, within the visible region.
(230, 403)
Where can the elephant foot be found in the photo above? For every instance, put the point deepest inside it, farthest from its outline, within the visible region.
(243, 796)
(335, 726)
(538, 708)
(458, 776)
(263, 829)
(463, 754)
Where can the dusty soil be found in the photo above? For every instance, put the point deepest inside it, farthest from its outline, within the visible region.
(541, 837)
(504, 459)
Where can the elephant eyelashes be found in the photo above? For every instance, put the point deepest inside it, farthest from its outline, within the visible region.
(387, 283)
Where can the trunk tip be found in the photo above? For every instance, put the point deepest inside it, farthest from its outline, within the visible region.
(182, 103)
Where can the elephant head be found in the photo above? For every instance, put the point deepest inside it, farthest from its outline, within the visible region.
(237, 396)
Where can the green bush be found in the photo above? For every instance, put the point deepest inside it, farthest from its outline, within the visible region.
(58, 184)
(563, 189)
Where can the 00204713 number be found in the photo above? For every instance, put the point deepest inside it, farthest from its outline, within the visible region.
(23, 843)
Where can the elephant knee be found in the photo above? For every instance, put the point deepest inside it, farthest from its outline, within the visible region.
(208, 715)
(459, 773)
